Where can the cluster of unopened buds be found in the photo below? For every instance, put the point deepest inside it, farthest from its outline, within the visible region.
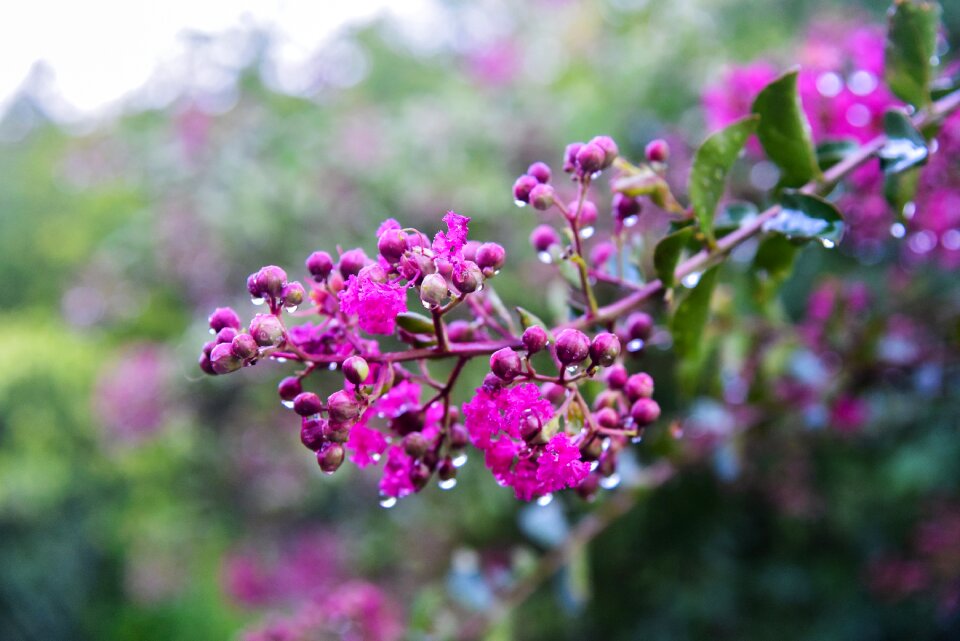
(536, 430)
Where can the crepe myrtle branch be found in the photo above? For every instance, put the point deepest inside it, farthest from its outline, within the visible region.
(537, 431)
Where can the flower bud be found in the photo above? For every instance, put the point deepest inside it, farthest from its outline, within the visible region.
(604, 349)
(588, 488)
(446, 470)
(657, 150)
(222, 360)
(205, 365)
(224, 317)
(570, 156)
(467, 278)
(591, 449)
(419, 475)
(351, 262)
(311, 433)
(617, 377)
(460, 331)
(639, 325)
(307, 404)
(590, 158)
(607, 417)
(470, 250)
(505, 363)
(553, 392)
(342, 407)
(534, 339)
(226, 335)
(540, 171)
(289, 388)
(606, 398)
(492, 381)
(645, 411)
(639, 386)
(522, 187)
(319, 264)
(609, 147)
(292, 294)
(573, 346)
(459, 436)
(543, 237)
(530, 428)
(391, 245)
(433, 290)
(337, 432)
(243, 346)
(266, 330)
(270, 281)
(491, 256)
(625, 206)
(542, 197)
(330, 457)
(588, 213)
(415, 444)
(356, 370)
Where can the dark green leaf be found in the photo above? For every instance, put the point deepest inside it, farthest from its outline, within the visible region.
(784, 131)
(690, 319)
(905, 146)
(833, 151)
(775, 257)
(804, 217)
(900, 189)
(911, 46)
(415, 323)
(733, 214)
(529, 319)
(667, 254)
(946, 85)
(711, 164)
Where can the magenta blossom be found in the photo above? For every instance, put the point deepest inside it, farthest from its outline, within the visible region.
(375, 305)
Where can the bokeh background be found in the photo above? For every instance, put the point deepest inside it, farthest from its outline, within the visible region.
(141, 500)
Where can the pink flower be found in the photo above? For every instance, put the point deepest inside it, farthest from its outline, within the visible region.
(396, 480)
(450, 244)
(375, 305)
(367, 445)
(560, 466)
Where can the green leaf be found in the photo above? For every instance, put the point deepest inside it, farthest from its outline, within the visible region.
(690, 319)
(831, 152)
(529, 319)
(946, 85)
(805, 217)
(905, 146)
(775, 257)
(711, 164)
(900, 189)
(415, 323)
(667, 254)
(911, 46)
(784, 131)
(733, 215)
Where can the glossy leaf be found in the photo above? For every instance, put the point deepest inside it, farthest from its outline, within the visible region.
(733, 215)
(775, 256)
(690, 319)
(806, 217)
(900, 189)
(667, 254)
(415, 323)
(905, 146)
(911, 46)
(831, 152)
(711, 164)
(785, 132)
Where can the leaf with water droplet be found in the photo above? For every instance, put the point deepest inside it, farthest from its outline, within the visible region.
(804, 217)
(689, 321)
(732, 215)
(785, 132)
(415, 323)
(910, 49)
(667, 254)
(831, 152)
(711, 164)
(529, 319)
(904, 148)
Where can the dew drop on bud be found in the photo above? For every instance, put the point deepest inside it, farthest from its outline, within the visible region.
(425, 304)
(545, 257)
(630, 221)
(586, 232)
(281, 359)
(375, 457)
(291, 308)
(328, 473)
(827, 243)
(690, 280)
(594, 465)
(332, 367)
(388, 502)
(287, 404)
(635, 345)
(519, 203)
(545, 500)
(594, 175)
(610, 482)
(637, 439)
(459, 460)
(258, 301)
(449, 484)
(573, 369)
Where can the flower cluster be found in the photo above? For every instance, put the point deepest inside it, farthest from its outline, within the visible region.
(844, 98)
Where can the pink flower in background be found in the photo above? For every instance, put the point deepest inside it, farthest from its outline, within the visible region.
(132, 396)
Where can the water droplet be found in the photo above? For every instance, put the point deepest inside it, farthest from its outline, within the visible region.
(213, 333)
(909, 209)
(330, 473)
(375, 457)
(519, 203)
(605, 445)
(630, 221)
(586, 232)
(281, 359)
(291, 308)
(573, 369)
(459, 460)
(594, 465)
(827, 243)
(594, 175)
(690, 280)
(449, 484)
(479, 287)
(545, 257)
(545, 500)
(610, 482)
(635, 345)
(897, 230)
(258, 301)
(331, 366)
(637, 439)
(388, 502)
(287, 404)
